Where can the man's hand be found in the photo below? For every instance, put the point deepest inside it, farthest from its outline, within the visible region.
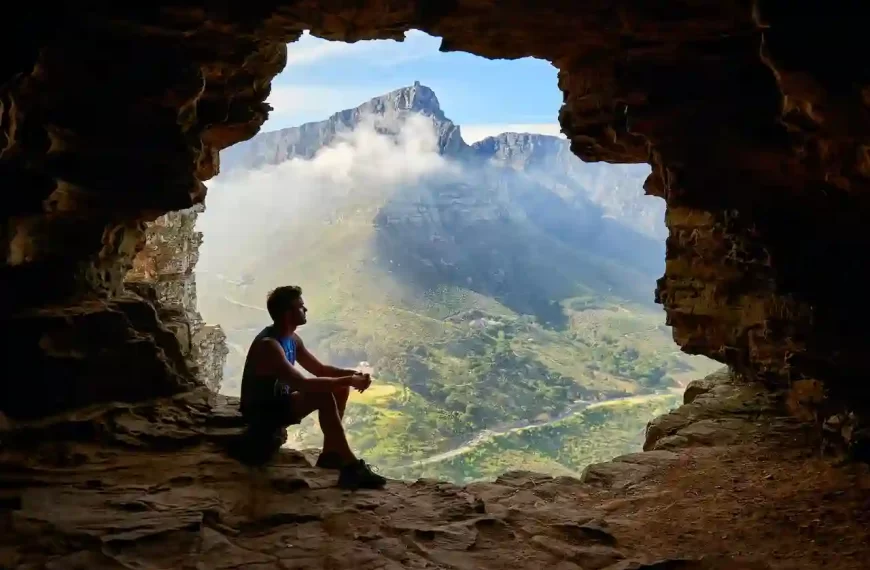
(361, 382)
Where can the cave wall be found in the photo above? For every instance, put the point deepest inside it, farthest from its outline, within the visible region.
(163, 272)
(754, 115)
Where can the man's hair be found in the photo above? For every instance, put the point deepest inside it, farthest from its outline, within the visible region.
(281, 300)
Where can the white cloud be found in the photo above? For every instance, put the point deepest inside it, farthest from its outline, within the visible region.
(246, 211)
(473, 133)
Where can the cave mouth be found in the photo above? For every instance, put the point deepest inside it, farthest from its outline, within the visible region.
(764, 218)
(498, 288)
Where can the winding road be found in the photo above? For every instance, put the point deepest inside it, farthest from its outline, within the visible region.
(519, 427)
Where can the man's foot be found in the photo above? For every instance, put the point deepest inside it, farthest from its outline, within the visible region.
(358, 475)
(329, 460)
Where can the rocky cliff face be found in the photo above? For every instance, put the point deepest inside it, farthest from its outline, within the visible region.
(390, 110)
(550, 161)
(163, 272)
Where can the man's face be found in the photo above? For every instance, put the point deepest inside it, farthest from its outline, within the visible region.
(296, 315)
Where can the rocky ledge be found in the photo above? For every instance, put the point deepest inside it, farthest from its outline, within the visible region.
(155, 486)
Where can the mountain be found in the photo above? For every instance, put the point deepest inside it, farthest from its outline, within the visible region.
(487, 286)
(304, 141)
(549, 159)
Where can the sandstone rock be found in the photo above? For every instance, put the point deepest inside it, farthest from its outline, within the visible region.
(701, 386)
(706, 563)
(626, 470)
(592, 557)
(729, 411)
(95, 351)
(163, 273)
(151, 485)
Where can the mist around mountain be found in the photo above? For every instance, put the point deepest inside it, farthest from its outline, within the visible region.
(489, 287)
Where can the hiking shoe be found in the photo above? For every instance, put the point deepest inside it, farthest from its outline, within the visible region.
(329, 460)
(358, 475)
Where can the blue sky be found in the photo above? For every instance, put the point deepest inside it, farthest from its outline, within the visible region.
(484, 96)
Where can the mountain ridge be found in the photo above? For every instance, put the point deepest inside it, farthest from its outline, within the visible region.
(612, 187)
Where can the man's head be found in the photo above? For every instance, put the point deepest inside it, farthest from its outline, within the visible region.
(286, 307)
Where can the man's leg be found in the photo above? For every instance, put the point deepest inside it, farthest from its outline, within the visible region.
(341, 396)
(334, 438)
(336, 454)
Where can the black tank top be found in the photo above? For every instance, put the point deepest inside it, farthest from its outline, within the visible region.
(257, 388)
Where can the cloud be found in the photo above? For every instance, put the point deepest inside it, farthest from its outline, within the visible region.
(247, 211)
(473, 133)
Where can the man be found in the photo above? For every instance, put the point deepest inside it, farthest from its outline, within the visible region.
(275, 392)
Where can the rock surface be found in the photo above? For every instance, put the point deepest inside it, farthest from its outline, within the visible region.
(153, 486)
(163, 272)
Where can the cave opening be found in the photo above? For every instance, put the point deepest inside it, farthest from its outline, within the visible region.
(447, 240)
(113, 453)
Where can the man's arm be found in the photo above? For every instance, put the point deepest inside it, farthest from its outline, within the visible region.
(310, 363)
(276, 362)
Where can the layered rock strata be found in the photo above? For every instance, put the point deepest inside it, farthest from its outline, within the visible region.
(729, 486)
(163, 272)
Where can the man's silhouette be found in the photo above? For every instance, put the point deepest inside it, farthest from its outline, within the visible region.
(273, 391)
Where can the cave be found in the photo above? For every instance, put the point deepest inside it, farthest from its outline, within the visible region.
(759, 141)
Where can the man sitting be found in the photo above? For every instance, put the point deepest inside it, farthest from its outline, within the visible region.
(274, 392)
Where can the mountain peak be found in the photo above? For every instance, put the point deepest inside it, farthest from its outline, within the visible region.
(416, 98)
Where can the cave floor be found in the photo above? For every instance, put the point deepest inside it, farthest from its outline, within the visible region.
(162, 493)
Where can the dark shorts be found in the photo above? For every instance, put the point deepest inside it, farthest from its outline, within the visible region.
(275, 409)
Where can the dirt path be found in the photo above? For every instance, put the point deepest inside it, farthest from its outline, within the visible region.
(779, 503)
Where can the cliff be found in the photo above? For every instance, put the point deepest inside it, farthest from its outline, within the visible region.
(163, 273)
(390, 109)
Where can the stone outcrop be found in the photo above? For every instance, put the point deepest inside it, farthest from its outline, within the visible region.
(153, 485)
(163, 272)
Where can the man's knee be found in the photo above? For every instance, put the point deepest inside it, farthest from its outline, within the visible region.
(323, 400)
